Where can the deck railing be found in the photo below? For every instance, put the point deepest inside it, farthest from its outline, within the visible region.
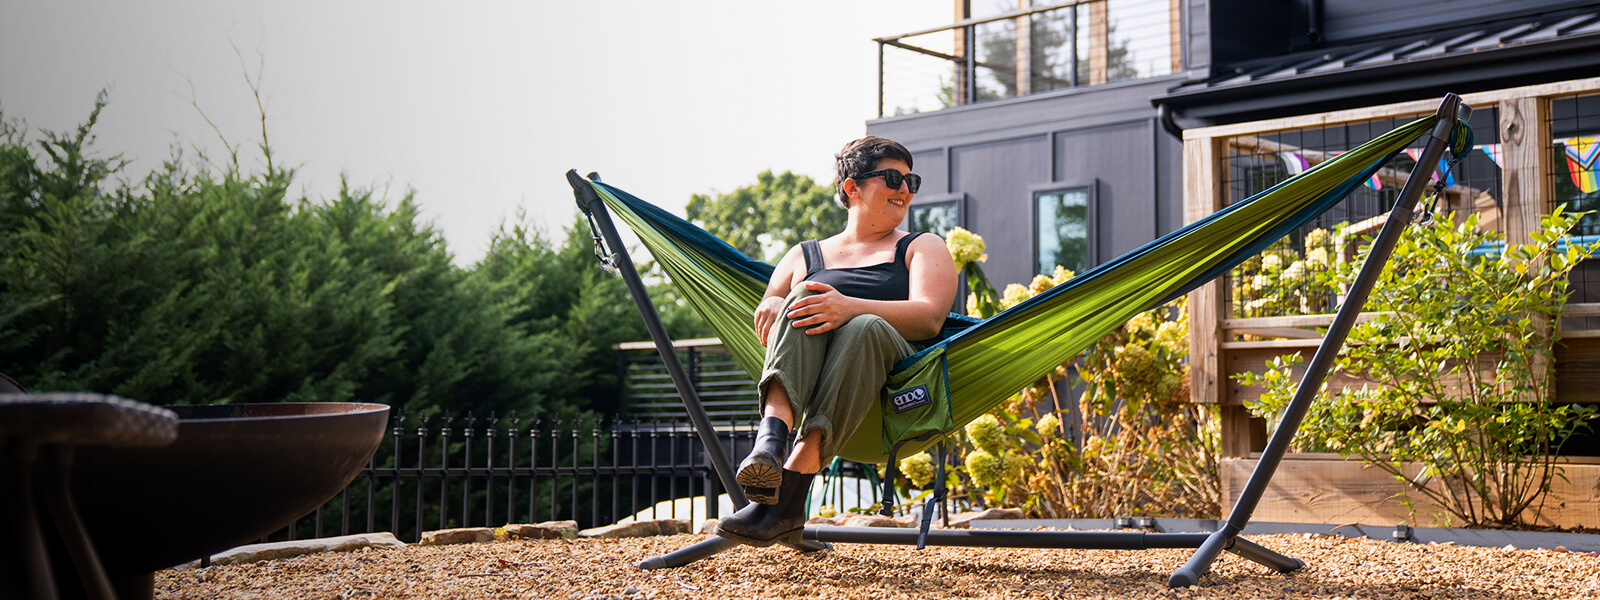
(1052, 46)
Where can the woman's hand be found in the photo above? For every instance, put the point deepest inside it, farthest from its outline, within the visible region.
(823, 311)
(766, 314)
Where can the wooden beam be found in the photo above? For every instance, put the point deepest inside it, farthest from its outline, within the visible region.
(1317, 488)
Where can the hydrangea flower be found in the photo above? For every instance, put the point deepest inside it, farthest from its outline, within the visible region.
(1061, 275)
(918, 468)
(1296, 271)
(1049, 426)
(1040, 283)
(1318, 258)
(1015, 294)
(966, 247)
(985, 468)
(987, 433)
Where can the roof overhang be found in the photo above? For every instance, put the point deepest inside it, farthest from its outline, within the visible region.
(1460, 61)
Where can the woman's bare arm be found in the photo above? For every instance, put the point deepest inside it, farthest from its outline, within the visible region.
(778, 288)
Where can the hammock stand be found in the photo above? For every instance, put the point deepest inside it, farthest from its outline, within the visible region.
(1208, 545)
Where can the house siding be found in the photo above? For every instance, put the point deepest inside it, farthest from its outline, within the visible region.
(998, 154)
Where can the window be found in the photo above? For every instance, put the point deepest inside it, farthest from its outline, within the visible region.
(938, 216)
(1061, 224)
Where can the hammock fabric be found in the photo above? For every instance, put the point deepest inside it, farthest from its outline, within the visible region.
(978, 364)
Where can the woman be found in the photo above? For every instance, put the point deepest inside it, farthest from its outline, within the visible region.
(835, 319)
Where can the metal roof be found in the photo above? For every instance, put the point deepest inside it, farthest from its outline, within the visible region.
(1507, 49)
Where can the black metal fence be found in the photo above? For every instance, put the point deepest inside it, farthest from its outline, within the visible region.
(469, 472)
(444, 473)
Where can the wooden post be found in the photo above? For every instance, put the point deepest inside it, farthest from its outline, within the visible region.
(963, 79)
(1202, 197)
(1099, 42)
(1024, 58)
(1176, 27)
(1525, 141)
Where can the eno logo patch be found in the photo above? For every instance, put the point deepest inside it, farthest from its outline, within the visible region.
(909, 399)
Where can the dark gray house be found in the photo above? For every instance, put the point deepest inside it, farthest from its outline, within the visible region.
(1071, 132)
(1061, 144)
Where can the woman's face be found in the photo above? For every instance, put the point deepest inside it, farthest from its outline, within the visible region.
(876, 198)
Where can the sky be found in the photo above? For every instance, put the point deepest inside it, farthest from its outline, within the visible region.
(480, 107)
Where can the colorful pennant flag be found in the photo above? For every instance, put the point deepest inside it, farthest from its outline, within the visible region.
(1373, 182)
(1294, 163)
(1444, 167)
(1581, 154)
(1495, 153)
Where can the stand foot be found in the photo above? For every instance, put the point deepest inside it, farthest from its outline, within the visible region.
(1264, 556)
(1201, 561)
(1182, 578)
(1228, 539)
(810, 546)
(687, 554)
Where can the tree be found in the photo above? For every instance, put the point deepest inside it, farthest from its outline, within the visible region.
(768, 217)
(210, 285)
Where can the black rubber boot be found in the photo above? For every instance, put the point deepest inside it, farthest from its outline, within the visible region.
(768, 524)
(759, 473)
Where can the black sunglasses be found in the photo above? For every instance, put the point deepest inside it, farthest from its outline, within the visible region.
(893, 178)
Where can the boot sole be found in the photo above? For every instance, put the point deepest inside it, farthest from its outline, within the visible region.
(761, 495)
(763, 473)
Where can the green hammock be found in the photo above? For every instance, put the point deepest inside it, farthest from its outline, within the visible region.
(978, 364)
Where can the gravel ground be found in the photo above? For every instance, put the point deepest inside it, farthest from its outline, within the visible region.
(1337, 567)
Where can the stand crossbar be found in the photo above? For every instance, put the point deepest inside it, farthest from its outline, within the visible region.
(1208, 546)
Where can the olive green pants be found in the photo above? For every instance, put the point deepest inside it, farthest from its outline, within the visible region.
(833, 378)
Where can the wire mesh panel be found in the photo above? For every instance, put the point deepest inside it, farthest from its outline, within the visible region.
(1290, 278)
(1574, 176)
(921, 81)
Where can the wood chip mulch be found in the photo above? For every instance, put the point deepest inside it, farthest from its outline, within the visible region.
(1337, 567)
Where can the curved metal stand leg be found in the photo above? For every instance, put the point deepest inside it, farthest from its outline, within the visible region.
(687, 554)
(1265, 556)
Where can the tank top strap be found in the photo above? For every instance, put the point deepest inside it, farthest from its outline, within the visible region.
(902, 246)
(813, 254)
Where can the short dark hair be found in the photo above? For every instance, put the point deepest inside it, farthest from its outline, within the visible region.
(861, 156)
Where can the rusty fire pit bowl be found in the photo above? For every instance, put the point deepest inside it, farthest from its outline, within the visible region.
(236, 473)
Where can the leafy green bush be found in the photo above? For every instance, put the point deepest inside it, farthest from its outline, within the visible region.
(1457, 371)
(207, 284)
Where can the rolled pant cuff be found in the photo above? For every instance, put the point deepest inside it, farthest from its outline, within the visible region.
(770, 376)
(816, 422)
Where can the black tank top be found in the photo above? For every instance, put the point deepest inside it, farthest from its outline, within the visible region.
(883, 281)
